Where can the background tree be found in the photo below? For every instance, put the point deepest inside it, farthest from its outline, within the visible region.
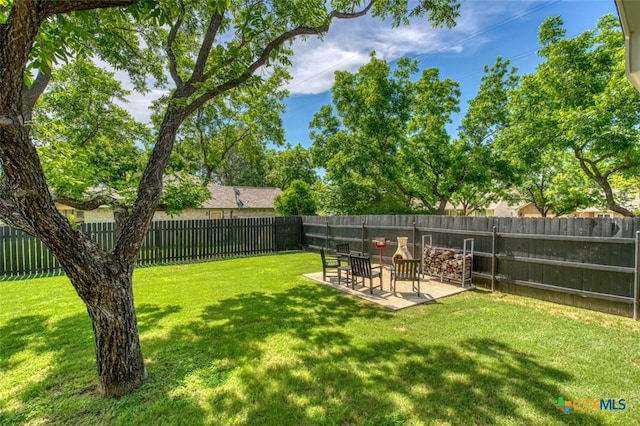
(85, 139)
(486, 174)
(288, 165)
(92, 150)
(430, 154)
(297, 200)
(208, 49)
(357, 195)
(579, 102)
(360, 140)
(560, 188)
(391, 129)
(225, 140)
(243, 168)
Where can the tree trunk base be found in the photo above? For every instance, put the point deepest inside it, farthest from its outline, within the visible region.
(119, 357)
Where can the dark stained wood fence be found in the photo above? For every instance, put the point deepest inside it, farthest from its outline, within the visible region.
(584, 257)
(166, 242)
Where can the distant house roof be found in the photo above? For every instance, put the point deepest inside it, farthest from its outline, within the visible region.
(234, 197)
(591, 210)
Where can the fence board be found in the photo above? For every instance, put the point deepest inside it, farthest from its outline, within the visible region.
(165, 242)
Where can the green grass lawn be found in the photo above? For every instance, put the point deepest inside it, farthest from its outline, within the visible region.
(251, 341)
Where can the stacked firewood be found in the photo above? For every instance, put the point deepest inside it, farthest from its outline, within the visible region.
(446, 263)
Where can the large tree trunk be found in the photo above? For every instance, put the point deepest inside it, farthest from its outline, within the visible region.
(105, 287)
(119, 357)
(442, 206)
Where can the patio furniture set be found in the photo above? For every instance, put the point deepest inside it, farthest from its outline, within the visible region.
(357, 267)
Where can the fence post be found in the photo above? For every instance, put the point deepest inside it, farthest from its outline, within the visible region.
(362, 236)
(413, 246)
(2, 237)
(493, 258)
(636, 277)
(326, 237)
(157, 236)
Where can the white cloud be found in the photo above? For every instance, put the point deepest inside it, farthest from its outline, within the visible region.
(314, 68)
(138, 104)
(348, 43)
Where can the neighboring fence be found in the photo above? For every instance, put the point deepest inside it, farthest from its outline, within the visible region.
(165, 242)
(583, 262)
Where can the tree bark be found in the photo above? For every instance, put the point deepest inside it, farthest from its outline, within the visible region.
(105, 286)
(119, 358)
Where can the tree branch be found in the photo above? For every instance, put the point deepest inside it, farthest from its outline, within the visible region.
(266, 52)
(594, 173)
(341, 15)
(122, 41)
(205, 48)
(85, 205)
(53, 7)
(31, 94)
(628, 164)
(251, 69)
(173, 67)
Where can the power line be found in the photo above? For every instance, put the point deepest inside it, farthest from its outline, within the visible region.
(492, 27)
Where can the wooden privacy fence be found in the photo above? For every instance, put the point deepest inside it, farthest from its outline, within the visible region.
(579, 261)
(165, 242)
(576, 260)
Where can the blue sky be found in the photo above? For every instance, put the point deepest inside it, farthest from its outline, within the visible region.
(486, 29)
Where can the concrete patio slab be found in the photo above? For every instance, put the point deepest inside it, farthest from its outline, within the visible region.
(431, 289)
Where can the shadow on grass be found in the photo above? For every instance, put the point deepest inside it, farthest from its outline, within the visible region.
(19, 334)
(293, 357)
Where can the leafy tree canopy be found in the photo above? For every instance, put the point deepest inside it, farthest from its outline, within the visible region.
(577, 103)
(225, 141)
(389, 128)
(285, 166)
(296, 200)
